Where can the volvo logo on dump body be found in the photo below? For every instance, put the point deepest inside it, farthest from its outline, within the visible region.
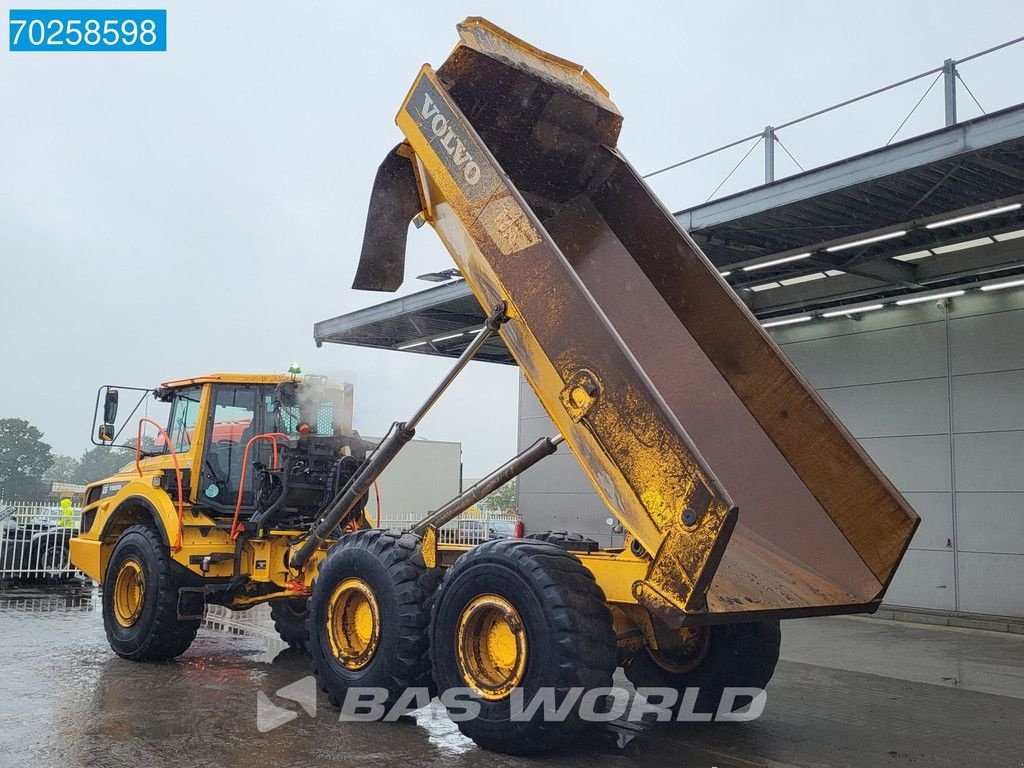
(452, 144)
(446, 133)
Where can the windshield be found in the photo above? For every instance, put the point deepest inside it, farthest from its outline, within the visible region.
(184, 413)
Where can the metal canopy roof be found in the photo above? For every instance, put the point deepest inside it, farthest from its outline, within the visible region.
(967, 168)
(437, 321)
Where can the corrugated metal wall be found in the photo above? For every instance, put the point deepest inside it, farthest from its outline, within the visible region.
(936, 396)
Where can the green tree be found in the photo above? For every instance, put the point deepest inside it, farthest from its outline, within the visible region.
(504, 499)
(100, 462)
(63, 470)
(24, 457)
(103, 461)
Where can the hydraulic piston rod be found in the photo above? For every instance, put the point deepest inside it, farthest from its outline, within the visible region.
(401, 433)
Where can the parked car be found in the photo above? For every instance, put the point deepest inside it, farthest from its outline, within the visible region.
(501, 529)
(472, 531)
(34, 550)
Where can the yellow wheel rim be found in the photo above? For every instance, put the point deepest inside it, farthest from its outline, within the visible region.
(129, 592)
(353, 623)
(491, 645)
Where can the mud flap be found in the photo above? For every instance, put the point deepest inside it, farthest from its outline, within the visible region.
(395, 200)
(191, 603)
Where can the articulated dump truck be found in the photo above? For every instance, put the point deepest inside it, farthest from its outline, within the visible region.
(743, 499)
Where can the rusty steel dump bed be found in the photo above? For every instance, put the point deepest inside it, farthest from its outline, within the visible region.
(697, 432)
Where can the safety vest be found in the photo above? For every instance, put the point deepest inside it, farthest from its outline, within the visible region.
(67, 515)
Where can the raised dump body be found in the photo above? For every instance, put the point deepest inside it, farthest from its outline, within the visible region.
(700, 436)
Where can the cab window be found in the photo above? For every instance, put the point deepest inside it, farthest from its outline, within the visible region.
(233, 413)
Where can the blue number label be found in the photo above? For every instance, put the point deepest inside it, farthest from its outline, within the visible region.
(88, 30)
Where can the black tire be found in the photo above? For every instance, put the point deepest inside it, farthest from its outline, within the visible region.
(156, 634)
(390, 564)
(567, 540)
(55, 561)
(568, 635)
(290, 620)
(737, 656)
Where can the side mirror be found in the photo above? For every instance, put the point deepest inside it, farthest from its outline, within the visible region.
(110, 407)
(106, 431)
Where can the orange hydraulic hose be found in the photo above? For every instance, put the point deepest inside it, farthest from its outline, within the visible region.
(376, 493)
(237, 529)
(177, 473)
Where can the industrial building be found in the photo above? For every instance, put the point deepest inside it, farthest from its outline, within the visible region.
(894, 281)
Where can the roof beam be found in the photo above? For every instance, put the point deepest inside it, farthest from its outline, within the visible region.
(885, 269)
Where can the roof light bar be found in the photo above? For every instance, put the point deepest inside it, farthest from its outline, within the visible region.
(1000, 286)
(775, 262)
(929, 297)
(449, 336)
(914, 256)
(414, 344)
(787, 321)
(973, 216)
(803, 278)
(852, 310)
(976, 243)
(867, 241)
(1009, 235)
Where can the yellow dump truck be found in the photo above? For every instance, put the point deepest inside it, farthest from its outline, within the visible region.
(743, 498)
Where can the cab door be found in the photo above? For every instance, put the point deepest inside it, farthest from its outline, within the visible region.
(231, 424)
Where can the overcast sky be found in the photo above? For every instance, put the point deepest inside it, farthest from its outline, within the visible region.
(171, 214)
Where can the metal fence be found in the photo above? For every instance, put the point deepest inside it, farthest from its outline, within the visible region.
(953, 83)
(34, 541)
(470, 527)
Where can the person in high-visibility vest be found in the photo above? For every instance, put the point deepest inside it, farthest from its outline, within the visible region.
(67, 515)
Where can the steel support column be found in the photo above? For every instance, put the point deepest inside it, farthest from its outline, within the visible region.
(949, 89)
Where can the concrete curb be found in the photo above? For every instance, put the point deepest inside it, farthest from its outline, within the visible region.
(1009, 624)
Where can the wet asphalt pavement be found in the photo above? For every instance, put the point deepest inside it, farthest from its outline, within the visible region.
(848, 692)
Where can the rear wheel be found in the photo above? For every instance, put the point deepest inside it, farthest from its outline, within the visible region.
(520, 614)
(140, 600)
(290, 617)
(368, 615)
(712, 659)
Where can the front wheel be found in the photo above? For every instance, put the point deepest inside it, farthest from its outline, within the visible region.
(140, 600)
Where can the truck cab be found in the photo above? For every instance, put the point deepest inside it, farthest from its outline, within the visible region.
(210, 466)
